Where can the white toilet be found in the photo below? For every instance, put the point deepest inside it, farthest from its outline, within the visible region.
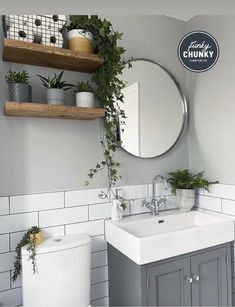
(63, 272)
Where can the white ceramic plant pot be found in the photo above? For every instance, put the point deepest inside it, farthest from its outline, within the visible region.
(55, 96)
(80, 40)
(85, 99)
(185, 199)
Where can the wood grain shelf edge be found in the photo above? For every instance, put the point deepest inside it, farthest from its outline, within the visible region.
(41, 110)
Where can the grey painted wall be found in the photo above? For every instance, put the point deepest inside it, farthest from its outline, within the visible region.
(39, 155)
(212, 97)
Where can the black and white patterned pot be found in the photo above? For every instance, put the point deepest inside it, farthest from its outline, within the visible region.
(20, 92)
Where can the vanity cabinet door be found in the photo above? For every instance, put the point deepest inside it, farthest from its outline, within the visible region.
(211, 279)
(167, 284)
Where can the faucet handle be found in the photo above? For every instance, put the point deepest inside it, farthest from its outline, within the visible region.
(144, 203)
(161, 201)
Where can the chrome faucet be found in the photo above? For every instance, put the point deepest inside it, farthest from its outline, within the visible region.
(156, 202)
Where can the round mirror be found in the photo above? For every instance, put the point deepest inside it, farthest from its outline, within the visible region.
(155, 109)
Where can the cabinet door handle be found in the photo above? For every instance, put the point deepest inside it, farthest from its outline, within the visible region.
(189, 279)
(195, 277)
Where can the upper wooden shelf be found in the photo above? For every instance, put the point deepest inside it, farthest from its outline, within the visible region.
(51, 111)
(41, 55)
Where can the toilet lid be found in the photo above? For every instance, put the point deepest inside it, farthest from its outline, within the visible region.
(59, 243)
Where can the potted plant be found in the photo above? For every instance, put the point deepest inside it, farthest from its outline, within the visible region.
(55, 88)
(183, 184)
(79, 37)
(84, 94)
(19, 89)
(32, 238)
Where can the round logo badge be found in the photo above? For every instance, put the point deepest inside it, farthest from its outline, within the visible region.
(198, 51)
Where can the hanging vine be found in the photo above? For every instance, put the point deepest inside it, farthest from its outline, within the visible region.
(108, 88)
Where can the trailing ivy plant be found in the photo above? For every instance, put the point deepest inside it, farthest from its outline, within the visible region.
(29, 238)
(108, 88)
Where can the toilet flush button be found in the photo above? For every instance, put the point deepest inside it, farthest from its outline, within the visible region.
(57, 240)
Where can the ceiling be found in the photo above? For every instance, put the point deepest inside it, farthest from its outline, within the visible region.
(181, 9)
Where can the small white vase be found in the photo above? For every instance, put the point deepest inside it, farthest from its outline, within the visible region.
(55, 96)
(185, 199)
(85, 99)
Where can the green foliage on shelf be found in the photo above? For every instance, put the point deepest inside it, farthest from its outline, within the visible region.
(79, 22)
(185, 180)
(31, 248)
(55, 82)
(82, 86)
(107, 87)
(17, 77)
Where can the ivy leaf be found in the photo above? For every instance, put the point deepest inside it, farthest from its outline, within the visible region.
(123, 205)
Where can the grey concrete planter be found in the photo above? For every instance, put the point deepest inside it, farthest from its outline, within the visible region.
(20, 92)
(55, 96)
(185, 199)
(85, 99)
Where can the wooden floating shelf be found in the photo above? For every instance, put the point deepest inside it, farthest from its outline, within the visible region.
(40, 55)
(51, 111)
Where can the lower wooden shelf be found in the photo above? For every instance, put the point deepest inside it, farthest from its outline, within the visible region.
(24, 109)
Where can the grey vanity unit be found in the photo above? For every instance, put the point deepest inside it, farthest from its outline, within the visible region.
(201, 278)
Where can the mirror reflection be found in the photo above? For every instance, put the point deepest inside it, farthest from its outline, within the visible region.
(155, 108)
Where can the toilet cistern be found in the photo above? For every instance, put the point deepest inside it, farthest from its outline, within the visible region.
(157, 201)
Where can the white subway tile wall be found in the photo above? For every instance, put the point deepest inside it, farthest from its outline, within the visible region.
(5, 282)
(84, 197)
(17, 222)
(210, 203)
(136, 206)
(36, 202)
(61, 213)
(11, 297)
(79, 211)
(63, 216)
(220, 200)
(4, 243)
(171, 202)
(99, 211)
(4, 205)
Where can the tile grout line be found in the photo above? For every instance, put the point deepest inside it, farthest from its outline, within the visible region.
(99, 298)
(9, 204)
(9, 242)
(100, 266)
(100, 282)
(38, 219)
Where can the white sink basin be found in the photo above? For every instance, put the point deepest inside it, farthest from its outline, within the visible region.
(144, 238)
